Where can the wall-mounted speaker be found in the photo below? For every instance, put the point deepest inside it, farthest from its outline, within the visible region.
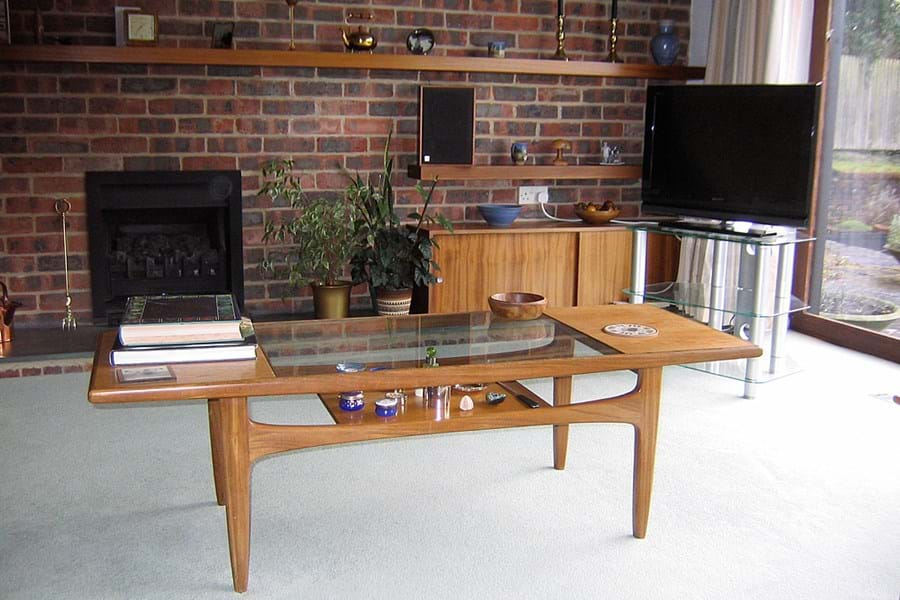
(446, 125)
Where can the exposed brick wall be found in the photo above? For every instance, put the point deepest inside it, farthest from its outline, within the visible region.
(59, 120)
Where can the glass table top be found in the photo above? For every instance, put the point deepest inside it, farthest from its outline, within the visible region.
(309, 347)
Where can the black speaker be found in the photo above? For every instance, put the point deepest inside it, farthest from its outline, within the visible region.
(446, 125)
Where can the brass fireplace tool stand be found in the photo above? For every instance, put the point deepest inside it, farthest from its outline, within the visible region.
(62, 207)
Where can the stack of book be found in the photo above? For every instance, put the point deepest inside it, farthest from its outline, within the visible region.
(182, 328)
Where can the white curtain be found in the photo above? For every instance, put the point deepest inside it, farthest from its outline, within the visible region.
(750, 41)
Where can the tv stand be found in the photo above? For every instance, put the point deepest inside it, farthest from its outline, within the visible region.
(756, 309)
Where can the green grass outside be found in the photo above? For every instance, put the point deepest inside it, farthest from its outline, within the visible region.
(851, 162)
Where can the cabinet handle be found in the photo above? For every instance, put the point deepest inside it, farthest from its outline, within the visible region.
(439, 280)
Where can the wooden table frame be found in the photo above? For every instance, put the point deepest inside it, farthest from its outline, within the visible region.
(237, 441)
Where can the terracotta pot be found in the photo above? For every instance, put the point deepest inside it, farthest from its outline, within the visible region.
(392, 303)
(332, 301)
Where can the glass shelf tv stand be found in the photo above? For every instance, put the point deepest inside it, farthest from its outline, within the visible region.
(750, 296)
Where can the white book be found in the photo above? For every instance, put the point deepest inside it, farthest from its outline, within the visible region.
(146, 355)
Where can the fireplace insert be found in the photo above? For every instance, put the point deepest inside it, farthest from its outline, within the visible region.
(158, 232)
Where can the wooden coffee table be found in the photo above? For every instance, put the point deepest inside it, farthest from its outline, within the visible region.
(300, 357)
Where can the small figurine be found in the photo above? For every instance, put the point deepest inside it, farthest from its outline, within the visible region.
(560, 146)
(466, 403)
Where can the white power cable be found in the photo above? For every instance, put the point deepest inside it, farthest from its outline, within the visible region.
(549, 216)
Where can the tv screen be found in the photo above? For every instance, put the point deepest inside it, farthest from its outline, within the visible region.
(730, 152)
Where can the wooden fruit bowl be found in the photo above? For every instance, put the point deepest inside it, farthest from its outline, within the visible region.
(597, 217)
(518, 306)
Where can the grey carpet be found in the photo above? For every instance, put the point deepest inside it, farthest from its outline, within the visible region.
(791, 495)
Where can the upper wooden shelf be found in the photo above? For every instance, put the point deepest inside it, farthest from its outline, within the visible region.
(340, 60)
(459, 172)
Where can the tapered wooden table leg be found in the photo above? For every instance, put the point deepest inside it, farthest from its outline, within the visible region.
(562, 394)
(234, 434)
(650, 384)
(214, 408)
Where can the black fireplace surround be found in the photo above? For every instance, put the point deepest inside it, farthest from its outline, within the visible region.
(162, 232)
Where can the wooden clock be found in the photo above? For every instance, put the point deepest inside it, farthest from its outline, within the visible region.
(141, 29)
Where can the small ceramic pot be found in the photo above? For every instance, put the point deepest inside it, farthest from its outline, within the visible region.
(664, 45)
(519, 152)
(497, 49)
(352, 401)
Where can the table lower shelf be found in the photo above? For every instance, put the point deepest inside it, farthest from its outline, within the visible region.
(415, 410)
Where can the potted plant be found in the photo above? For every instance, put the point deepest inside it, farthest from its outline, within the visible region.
(318, 240)
(394, 256)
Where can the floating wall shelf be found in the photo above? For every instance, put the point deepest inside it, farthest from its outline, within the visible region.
(341, 60)
(460, 172)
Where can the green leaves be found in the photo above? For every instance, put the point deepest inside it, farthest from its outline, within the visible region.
(317, 240)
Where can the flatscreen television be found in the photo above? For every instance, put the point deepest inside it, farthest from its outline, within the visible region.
(730, 152)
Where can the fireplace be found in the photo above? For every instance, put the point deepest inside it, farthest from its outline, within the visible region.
(156, 232)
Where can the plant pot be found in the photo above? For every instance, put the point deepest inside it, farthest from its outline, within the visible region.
(392, 303)
(332, 301)
(862, 311)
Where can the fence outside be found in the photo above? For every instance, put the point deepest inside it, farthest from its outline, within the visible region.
(868, 114)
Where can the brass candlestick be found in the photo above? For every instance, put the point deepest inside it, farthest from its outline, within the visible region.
(613, 39)
(291, 4)
(561, 37)
(62, 207)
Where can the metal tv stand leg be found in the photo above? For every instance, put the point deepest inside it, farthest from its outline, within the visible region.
(638, 265)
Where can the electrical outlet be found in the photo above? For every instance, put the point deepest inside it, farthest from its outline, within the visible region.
(534, 194)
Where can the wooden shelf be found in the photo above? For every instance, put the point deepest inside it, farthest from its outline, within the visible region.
(340, 60)
(461, 172)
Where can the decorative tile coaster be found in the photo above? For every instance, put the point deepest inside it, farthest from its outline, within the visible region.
(630, 330)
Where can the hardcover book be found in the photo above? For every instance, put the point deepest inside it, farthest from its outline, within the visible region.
(180, 319)
(122, 355)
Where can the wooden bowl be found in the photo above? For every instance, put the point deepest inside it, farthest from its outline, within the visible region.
(518, 306)
(597, 217)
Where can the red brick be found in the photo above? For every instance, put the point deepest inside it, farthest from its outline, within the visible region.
(47, 164)
(80, 164)
(87, 125)
(119, 144)
(58, 185)
(55, 105)
(33, 244)
(14, 225)
(176, 106)
(209, 162)
(233, 106)
(13, 185)
(206, 87)
(316, 125)
(88, 85)
(344, 107)
(146, 125)
(261, 126)
(117, 106)
(205, 125)
(367, 125)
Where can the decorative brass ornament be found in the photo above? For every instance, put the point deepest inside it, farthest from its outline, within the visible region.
(361, 40)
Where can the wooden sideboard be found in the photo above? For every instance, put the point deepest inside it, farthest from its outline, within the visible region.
(571, 265)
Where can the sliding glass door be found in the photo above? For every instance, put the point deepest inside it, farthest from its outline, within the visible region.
(854, 272)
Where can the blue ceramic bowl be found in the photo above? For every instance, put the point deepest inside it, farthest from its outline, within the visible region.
(499, 215)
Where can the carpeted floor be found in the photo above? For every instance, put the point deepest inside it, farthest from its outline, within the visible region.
(793, 494)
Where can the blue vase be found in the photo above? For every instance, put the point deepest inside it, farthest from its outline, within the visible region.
(664, 45)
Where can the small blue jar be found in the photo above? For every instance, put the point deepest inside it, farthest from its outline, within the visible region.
(386, 407)
(352, 401)
(664, 45)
